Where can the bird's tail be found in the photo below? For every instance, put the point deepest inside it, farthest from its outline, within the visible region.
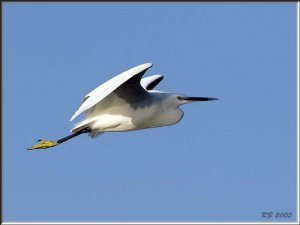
(83, 124)
(87, 123)
(95, 133)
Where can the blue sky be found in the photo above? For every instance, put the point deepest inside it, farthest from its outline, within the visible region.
(227, 160)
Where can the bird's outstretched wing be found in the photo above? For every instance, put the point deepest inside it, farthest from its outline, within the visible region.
(150, 83)
(127, 82)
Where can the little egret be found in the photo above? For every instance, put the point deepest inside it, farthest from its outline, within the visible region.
(124, 103)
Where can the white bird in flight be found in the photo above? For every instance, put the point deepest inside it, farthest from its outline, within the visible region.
(124, 103)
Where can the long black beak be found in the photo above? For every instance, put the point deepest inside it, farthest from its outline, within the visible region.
(197, 98)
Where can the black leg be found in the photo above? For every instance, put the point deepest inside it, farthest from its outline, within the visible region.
(82, 131)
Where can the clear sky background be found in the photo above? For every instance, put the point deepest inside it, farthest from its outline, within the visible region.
(227, 160)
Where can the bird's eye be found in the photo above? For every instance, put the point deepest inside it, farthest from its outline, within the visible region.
(178, 97)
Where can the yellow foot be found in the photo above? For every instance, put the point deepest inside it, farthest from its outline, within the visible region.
(43, 144)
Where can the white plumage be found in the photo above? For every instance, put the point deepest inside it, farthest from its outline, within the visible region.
(95, 96)
(128, 102)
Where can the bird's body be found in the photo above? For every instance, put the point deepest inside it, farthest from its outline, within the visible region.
(127, 102)
(115, 114)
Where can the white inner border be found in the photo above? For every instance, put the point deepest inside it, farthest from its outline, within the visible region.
(297, 120)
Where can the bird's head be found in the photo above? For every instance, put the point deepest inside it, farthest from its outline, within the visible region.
(179, 99)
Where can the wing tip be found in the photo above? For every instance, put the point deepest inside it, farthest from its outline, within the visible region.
(159, 76)
(146, 65)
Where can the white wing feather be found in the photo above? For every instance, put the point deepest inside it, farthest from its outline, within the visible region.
(95, 96)
(149, 81)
